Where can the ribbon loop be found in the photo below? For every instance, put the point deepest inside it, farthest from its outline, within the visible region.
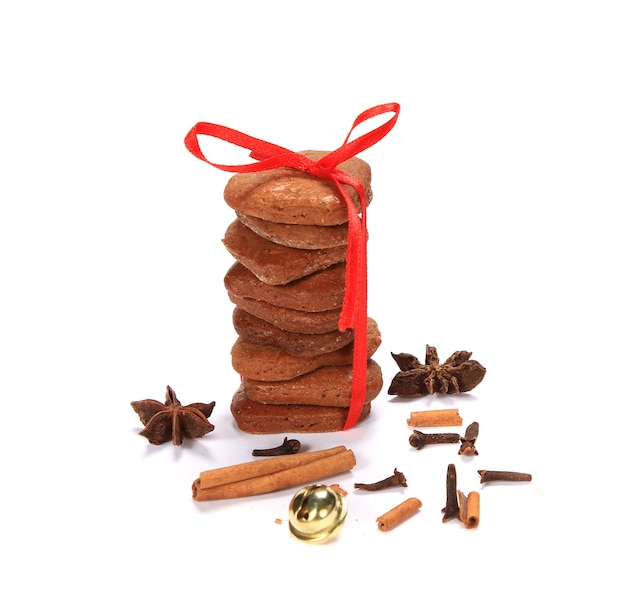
(270, 156)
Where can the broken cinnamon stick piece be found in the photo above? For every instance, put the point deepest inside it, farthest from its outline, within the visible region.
(337, 488)
(469, 509)
(398, 514)
(250, 483)
(443, 417)
(472, 517)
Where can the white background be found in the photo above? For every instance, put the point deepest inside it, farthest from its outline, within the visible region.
(495, 228)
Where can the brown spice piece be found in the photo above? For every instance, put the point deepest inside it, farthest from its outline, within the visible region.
(486, 476)
(337, 488)
(468, 442)
(397, 479)
(287, 447)
(258, 468)
(443, 417)
(271, 474)
(451, 510)
(398, 514)
(171, 421)
(469, 509)
(457, 374)
(419, 439)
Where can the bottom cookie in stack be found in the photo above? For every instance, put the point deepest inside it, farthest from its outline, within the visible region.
(284, 392)
(257, 418)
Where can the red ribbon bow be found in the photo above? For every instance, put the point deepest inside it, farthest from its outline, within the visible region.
(271, 156)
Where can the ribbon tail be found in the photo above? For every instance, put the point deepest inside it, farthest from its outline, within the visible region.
(347, 318)
(359, 371)
(354, 310)
(360, 344)
(356, 256)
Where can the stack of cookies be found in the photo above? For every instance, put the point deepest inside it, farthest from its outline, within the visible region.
(289, 240)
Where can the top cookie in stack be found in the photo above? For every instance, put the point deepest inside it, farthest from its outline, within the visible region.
(289, 241)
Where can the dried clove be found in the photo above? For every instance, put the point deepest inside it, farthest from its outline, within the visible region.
(397, 479)
(419, 439)
(287, 447)
(468, 441)
(451, 510)
(486, 476)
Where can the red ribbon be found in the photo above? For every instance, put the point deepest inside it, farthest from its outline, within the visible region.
(270, 156)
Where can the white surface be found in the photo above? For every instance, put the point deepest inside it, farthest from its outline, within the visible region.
(495, 227)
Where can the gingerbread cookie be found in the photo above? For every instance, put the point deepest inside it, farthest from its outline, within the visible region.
(317, 292)
(256, 418)
(267, 362)
(330, 385)
(311, 237)
(298, 321)
(257, 330)
(273, 263)
(295, 197)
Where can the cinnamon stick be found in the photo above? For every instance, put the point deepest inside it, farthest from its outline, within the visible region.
(258, 468)
(252, 478)
(469, 509)
(398, 514)
(443, 417)
(472, 518)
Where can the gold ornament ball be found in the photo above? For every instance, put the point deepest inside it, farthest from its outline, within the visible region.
(317, 513)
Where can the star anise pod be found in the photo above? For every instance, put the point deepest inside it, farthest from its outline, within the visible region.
(457, 374)
(172, 421)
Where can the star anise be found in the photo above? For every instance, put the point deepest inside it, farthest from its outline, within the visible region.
(172, 421)
(457, 374)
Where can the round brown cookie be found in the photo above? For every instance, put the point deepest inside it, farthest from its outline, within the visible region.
(266, 362)
(257, 330)
(256, 418)
(329, 385)
(311, 237)
(316, 292)
(297, 321)
(295, 197)
(274, 263)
